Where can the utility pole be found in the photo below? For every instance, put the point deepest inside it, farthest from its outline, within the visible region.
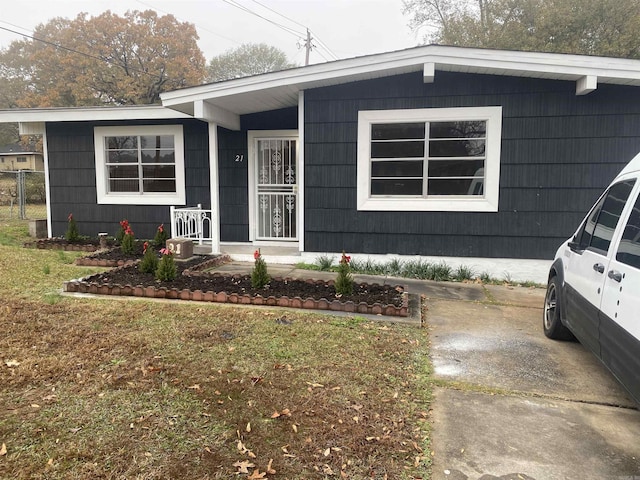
(308, 47)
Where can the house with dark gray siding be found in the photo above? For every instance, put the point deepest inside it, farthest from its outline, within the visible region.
(480, 157)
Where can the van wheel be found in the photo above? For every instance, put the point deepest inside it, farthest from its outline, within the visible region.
(551, 323)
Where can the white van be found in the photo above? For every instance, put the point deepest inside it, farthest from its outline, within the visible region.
(593, 292)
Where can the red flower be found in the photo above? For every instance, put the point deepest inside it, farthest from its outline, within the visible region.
(70, 217)
(124, 224)
(165, 251)
(256, 254)
(345, 258)
(161, 228)
(145, 245)
(128, 231)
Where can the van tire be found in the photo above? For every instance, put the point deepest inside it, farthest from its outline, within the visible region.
(551, 323)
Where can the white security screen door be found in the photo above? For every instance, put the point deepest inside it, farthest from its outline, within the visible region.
(276, 189)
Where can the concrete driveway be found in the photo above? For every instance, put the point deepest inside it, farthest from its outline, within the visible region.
(513, 404)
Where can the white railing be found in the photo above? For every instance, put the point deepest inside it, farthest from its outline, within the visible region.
(193, 223)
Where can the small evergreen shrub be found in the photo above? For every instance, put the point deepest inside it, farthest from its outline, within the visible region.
(160, 240)
(259, 275)
(344, 282)
(149, 262)
(71, 235)
(124, 225)
(166, 270)
(128, 244)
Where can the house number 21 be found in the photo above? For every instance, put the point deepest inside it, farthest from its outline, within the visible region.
(240, 158)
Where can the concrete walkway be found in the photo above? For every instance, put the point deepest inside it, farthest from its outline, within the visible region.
(510, 403)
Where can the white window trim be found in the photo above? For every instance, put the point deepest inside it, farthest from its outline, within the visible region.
(450, 203)
(125, 198)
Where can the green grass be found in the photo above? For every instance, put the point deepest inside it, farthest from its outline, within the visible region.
(123, 388)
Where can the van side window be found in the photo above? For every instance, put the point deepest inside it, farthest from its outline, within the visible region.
(629, 248)
(602, 222)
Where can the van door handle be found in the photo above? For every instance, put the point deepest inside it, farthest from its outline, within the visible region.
(613, 275)
(598, 267)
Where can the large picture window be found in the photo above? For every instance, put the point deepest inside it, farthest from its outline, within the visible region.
(429, 159)
(140, 165)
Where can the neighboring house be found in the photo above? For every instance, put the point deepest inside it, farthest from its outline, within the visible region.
(482, 157)
(18, 157)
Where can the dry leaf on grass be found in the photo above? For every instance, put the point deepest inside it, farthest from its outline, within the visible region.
(244, 466)
(270, 470)
(256, 475)
(3, 450)
(11, 363)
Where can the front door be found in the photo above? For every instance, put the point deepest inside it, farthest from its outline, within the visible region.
(276, 187)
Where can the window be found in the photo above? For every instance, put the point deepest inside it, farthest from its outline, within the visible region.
(429, 159)
(21, 159)
(629, 248)
(140, 165)
(598, 229)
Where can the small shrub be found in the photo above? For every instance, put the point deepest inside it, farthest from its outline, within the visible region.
(324, 262)
(149, 262)
(344, 282)
(485, 277)
(128, 244)
(124, 225)
(46, 269)
(166, 270)
(161, 237)
(259, 275)
(71, 235)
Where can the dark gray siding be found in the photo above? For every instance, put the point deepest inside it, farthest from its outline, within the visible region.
(234, 175)
(73, 180)
(559, 151)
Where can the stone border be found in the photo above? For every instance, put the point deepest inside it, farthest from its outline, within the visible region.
(85, 285)
(58, 244)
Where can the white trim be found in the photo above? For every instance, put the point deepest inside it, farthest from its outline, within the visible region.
(252, 136)
(212, 113)
(78, 114)
(47, 182)
(487, 203)
(283, 86)
(586, 84)
(429, 72)
(301, 145)
(164, 198)
(213, 187)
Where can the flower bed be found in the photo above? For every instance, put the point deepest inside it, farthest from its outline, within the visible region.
(198, 285)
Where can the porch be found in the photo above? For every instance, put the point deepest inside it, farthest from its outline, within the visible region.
(199, 225)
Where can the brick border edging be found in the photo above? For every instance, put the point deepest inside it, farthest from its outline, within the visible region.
(45, 244)
(87, 286)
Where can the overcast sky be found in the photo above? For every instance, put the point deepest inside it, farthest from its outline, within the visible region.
(347, 28)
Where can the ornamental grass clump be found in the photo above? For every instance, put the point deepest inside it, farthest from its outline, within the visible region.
(344, 282)
(259, 276)
(166, 270)
(128, 244)
(161, 237)
(149, 262)
(72, 235)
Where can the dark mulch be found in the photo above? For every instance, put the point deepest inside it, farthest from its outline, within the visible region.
(241, 284)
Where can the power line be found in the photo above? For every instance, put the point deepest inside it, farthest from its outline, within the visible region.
(278, 13)
(183, 20)
(289, 30)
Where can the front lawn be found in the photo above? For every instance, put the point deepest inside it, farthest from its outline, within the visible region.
(124, 388)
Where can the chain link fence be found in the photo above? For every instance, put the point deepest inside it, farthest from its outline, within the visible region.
(22, 195)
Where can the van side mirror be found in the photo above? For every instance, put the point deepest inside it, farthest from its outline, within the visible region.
(574, 247)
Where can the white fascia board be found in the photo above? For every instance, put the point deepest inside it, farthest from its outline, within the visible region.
(77, 114)
(35, 128)
(533, 64)
(214, 114)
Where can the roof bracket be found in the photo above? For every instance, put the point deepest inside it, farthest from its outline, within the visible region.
(586, 84)
(212, 113)
(429, 72)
